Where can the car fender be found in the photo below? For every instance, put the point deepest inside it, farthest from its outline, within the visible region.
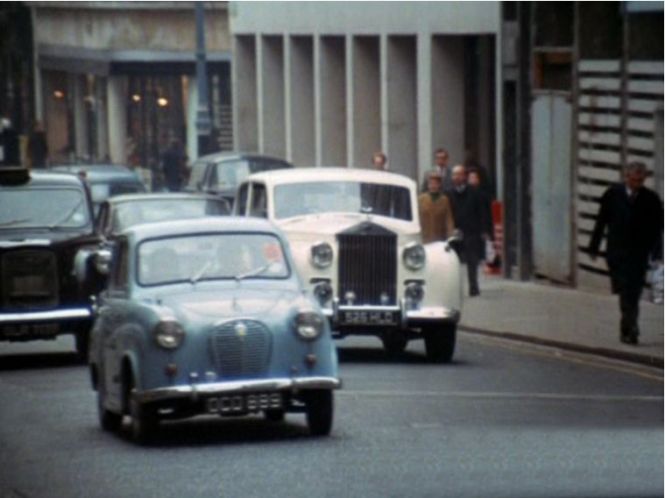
(443, 275)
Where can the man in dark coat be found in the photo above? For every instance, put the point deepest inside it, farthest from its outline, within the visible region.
(173, 162)
(469, 214)
(37, 146)
(441, 158)
(633, 215)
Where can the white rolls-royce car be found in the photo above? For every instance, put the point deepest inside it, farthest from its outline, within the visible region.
(355, 237)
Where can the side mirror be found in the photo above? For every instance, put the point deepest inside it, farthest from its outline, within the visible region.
(102, 260)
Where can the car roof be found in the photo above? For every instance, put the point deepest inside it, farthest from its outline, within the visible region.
(220, 156)
(99, 172)
(159, 196)
(201, 225)
(328, 174)
(45, 178)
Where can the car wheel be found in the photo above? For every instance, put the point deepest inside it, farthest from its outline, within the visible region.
(109, 420)
(394, 343)
(82, 345)
(440, 343)
(144, 422)
(274, 415)
(319, 407)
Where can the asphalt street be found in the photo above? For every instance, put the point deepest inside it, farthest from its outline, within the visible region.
(504, 420)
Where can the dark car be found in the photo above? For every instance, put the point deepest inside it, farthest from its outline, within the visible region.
(105, 180)
(46, 220)
(221, 173)
(119, 213)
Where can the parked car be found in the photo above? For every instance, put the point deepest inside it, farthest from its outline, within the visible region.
(221, 173)
(355, 237)
(45, 222)
(105, 180)
(209, 317)
(118, 213)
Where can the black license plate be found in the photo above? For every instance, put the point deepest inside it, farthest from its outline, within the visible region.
(372, 318)
(36, 330)
(244, 403)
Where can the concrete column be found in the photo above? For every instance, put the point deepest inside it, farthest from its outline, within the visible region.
(498, 119)
(385, 76)
(485, 124)
(192, 104)
(245, 94)
(448, 95)
(402, 119)
(366, 108)
(424, 104)
(332, 101)
(117, 118)
(350, 125)
(102, 119)
(272, 119)
(300, 106)
(77, 83)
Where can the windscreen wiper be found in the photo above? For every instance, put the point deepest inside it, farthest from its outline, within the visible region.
(69, 215)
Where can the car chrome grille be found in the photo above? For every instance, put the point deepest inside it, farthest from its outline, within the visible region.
(241, 348)
(367, 265)
(29, 279)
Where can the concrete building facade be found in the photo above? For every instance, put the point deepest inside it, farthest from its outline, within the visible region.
(116, 81)
(329, 83)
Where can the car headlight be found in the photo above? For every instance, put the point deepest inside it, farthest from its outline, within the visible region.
(414, 256)
(169, 334)
(322, 255)
(323, 292)
(309, 325)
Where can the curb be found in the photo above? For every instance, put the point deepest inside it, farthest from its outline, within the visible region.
(640, 358)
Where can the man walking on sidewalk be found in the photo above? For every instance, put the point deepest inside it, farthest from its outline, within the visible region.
(633, 215)
(469, 215)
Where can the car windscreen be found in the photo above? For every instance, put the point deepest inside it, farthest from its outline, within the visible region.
(299, 199)
(195, 258)
(127, 214)
(22, 207)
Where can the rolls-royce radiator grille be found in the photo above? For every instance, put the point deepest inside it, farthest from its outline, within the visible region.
(367, 267)
(29, 279)
(241, 348)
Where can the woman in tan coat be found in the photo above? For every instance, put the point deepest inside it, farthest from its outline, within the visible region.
(436, 216)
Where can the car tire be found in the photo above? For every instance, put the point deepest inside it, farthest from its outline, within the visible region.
(394, 343)
(440, 343)
(144, 422)
(274, 415)
(108, 420)
(319, 409)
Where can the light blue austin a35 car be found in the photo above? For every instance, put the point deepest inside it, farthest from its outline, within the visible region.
(209, 317)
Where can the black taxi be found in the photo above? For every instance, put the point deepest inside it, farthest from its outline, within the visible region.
(46, 238)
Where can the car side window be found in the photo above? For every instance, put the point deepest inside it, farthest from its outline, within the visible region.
(241, 201)
(120, 268)
(259, 207)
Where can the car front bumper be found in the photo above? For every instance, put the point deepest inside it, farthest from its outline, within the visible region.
(197, 391)
(45, 316)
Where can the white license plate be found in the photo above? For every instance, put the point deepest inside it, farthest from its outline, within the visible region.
(369, 318)
(30, 330)
(244, 403)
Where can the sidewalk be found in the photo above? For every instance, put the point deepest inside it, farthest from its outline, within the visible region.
(562, 317)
